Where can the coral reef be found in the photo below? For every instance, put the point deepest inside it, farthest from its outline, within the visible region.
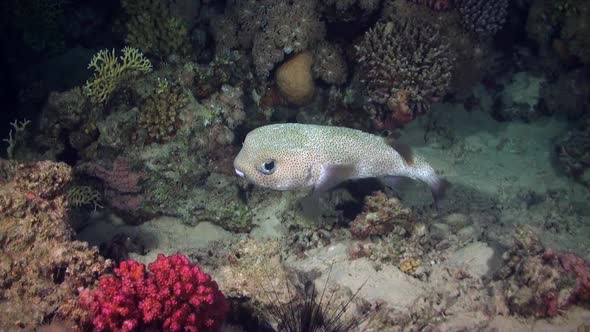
(406, 67)
(349, 10)
(153, 29)
(481, 17)
(538, 281)
(41, 266)
(109, 72)
(573, 152)
(329, 63)
(295, 80)
(271, 29)
(66, 114)
(173, 296)
(560, 27)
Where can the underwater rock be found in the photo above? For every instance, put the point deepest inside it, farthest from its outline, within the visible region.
(380, 216)
(573, 152)
(540, 282)
(519, 99)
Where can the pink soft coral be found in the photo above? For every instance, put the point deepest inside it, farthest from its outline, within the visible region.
(174, 296)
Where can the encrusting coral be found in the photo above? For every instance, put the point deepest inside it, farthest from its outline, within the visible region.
(295, 80)
(109, 72)
(406, 67)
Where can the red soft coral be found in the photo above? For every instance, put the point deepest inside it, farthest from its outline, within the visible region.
(174, 296)
(114, 303)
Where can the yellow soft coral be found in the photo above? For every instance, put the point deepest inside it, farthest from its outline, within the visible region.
(109, 72)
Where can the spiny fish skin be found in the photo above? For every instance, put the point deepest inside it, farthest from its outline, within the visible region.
(302, 156)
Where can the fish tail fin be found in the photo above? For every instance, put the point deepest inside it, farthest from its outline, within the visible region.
(439, 187)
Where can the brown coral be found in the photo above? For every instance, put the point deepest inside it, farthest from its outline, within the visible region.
(41, 267)
(295, 80)
(159, 116)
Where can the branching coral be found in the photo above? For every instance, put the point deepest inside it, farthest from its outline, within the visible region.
(109, 72)
(154, 30)
(482, 17)
(159, 115)
(406, 67)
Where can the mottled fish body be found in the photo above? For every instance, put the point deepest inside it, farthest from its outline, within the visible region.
(294, 156)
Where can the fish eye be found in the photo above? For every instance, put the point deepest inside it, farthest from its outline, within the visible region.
(268, 167)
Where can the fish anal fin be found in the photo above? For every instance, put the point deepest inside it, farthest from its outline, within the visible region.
(404, 150)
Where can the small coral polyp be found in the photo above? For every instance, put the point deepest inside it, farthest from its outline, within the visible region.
(174, 295)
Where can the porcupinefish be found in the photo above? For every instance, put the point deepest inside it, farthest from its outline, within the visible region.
(293, 156)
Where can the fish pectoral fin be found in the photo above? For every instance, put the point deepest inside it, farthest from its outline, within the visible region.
(333, 175)
(393, 182)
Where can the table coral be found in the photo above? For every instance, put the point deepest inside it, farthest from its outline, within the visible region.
(41, 266)
(174, 296)
(406, 67)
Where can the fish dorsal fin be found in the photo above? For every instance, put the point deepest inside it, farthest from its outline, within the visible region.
(404, 150)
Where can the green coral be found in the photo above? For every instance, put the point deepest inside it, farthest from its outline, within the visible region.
(159, 117)
(79, 196)
(153, 29)
(110, 71)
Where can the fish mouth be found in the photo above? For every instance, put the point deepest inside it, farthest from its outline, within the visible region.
(239, 173)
